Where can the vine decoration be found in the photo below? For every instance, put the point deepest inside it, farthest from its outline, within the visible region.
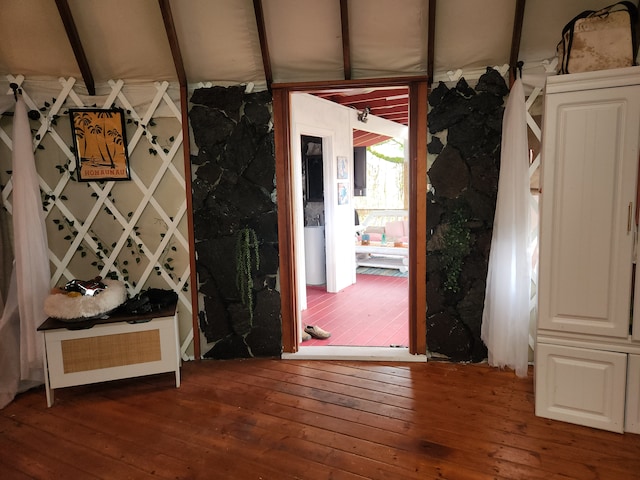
(399, 160)
(247, 261)
(456, 246)
(132, 252)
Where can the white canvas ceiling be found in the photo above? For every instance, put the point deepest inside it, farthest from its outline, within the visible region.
(219, 40)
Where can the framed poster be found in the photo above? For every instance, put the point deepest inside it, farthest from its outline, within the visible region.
(343, 193)
(343, 173)
(100, 144)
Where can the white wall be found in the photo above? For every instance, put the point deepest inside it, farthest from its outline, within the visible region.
(317, 117)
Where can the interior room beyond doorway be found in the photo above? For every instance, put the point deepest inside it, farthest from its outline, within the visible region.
(374, 310)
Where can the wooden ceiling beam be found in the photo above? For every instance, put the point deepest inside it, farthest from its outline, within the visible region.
(431, 41)
(76, 45)
(346, 98)
(380, 105)
(384, 110)
(346, 42)
(323, 85)
(401, 118)
(264, 47)
(367, 139)
(518, 21)
(172, 36)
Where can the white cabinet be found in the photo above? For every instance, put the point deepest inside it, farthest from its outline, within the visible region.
(581, 386)
(587, 246)
(115, 347)
(632, 414)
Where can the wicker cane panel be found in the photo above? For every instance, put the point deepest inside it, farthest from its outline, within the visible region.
(94, 353)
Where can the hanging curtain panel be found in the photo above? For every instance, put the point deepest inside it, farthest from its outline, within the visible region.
(505, 319)
(21, 367)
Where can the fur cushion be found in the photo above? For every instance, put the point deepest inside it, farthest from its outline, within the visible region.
(77, 308)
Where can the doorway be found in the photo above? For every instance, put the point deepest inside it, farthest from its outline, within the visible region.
(290, 247)
(373, 310)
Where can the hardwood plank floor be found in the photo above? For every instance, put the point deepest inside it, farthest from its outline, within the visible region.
(286, 419)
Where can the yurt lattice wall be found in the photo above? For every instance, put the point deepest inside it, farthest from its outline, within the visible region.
(534, 120)
(133, 230)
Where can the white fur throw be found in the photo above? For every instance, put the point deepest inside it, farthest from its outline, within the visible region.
(77, 308)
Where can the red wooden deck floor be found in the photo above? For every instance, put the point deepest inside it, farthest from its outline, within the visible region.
(373, 313)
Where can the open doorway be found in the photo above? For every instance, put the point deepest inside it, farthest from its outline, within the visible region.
(373, 311)
(322, 145)
(291, 245)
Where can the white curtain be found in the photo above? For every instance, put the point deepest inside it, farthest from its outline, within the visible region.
(21, 348)
(505, 319)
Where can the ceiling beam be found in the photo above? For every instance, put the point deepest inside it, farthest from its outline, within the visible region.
(381, 103)
(172, 36)
(264, 47)
(518, 21)
(367, 139)
(76, 45)
(402, 117)
(431, 41)
(386, 82)
(346, 47)
(389, 103)
(346, 98)
(385, 110)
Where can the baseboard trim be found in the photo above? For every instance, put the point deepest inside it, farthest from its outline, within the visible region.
(372, 354)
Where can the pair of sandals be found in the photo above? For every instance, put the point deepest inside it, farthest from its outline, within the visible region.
(313, 331)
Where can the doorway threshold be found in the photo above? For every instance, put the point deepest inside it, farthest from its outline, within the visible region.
(372, 354)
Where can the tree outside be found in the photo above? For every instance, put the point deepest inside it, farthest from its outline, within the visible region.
(385, 178)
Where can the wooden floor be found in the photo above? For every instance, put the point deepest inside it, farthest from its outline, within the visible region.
(373, 312)
(285, 419)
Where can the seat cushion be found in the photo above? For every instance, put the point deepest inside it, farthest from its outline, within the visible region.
(395, 229)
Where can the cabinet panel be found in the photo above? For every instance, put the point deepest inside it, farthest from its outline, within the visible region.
(632, 415)
(590, 156)
(581, 386)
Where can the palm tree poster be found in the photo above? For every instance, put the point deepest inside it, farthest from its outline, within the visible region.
(100, 144)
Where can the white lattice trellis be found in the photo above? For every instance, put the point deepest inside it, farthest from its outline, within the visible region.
(133, 230)
(535, 212)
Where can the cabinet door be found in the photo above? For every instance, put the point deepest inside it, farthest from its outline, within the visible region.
(635, 326)
(590, 157)
(581, 386)
(632, 416)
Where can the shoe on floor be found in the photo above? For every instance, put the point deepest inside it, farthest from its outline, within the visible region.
(316, 332)
(305, 336)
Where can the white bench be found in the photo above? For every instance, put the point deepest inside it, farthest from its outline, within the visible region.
(375, 253)
(382, 256)
(111, 348)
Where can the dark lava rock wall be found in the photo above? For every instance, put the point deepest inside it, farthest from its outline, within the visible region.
(234, 190)
(460, 211)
